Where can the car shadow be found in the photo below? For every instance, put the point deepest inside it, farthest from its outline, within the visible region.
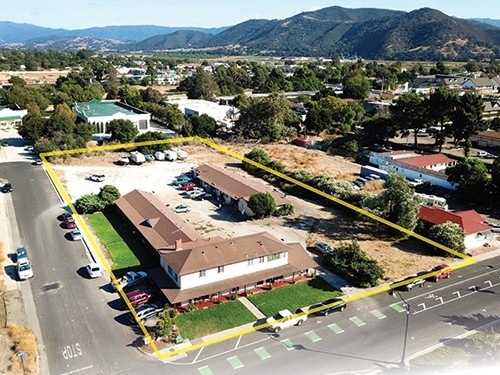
(117, 304)
(67, 236)
(123, 319)
(11, 271)
(82, 272)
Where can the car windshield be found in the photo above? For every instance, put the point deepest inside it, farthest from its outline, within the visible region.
(24, 267)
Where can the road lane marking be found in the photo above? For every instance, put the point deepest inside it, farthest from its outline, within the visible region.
(311, 335)
(78, 370)
(262, 353)
(357, 321)
(288, 344)
(378, 314)
(335, 328)
(205, 370)
(235, 362)
(397, 307)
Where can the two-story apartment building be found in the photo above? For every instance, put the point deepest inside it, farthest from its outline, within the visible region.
(195, 268)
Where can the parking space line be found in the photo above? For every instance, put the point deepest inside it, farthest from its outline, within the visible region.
(311, 335)
(288, 344)
(335, 328)
(235, 362)
(357, 321)
(378, 314)
(397, 307)
(262, 353)
(205, 370)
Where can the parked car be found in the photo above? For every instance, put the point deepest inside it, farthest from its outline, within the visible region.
(444, 274)
(145, 312)
(123, 161)
(21, 254)
(485, 155)
(38, 162)
(138, 297)
(131, 278)
(181, 208)
(94, 270)
(181, 180)
(322, 247)
(196, 190)
(70, 223)
(203, 196)
(24, 269)
(7, 188)
(411, 284)
(284, 319)
(330, 305)
(76, 235)
(197, 194)
(188, 186)
(97, 177)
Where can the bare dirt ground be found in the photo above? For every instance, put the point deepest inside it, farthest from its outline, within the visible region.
(310, 223)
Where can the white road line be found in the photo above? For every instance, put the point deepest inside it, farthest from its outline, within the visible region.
(238, 342)
(232, 350)
(78, 370)
(197, 355)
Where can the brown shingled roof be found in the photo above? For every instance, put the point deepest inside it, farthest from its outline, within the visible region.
(214, 252)
(159, 225)
(234, 185)
(298, 260)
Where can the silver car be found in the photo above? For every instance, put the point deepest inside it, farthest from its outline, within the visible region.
(144, 312)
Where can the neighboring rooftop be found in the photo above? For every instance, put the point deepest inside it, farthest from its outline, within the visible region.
(423, 161)
(470, 221)
(105, 108)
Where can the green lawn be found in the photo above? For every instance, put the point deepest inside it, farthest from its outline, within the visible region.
(123, 256)
(293, 296)
(216, 318)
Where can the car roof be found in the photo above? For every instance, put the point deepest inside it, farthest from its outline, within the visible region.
(136, 293)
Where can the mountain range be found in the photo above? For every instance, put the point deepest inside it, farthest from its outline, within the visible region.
(422, 34)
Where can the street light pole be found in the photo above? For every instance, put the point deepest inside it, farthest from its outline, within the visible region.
(408, 308)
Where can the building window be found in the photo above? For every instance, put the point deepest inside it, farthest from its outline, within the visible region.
(203, 273)
(250, 262)
(273, 257)
(220, 269)
(261, 259)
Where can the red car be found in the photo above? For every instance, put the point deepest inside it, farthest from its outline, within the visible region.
(138, 297)
(188, 186)
(69, 223)
(444, 274)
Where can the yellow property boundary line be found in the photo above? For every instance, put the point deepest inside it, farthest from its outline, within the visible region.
(466, 259)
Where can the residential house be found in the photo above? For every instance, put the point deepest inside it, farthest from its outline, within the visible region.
(476, 232)
(491, 109)
(232, 188)
(195, 268)
(102, 112)
(224, 115)
(480, 84)
(488, 138)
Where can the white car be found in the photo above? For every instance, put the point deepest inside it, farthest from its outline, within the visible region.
(98, 177)
(75, 235)
(181, 208)
(94, 270)
(145, 312)
(24, 269)
(285, 319)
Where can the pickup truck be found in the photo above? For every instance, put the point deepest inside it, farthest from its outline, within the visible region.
(285, 318)
(131, 278)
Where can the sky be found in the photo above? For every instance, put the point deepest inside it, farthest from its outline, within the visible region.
(79, 14)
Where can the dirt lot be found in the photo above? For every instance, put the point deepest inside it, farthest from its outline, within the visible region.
(309, 224)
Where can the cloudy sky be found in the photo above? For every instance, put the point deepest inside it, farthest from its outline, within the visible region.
(79, 14)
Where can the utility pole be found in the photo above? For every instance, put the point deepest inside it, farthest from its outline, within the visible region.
(396, 294)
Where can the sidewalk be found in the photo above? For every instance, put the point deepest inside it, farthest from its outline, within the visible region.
(250, 306)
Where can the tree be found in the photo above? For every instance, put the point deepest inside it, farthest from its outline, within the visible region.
(123, 131)
(349, 259)
(200, 86)
(356, 87)
(150, 136)
(408, 113)
(262, 205)
(109, 194)
(203, 126)
(260, 156)
(89, 203)
(448, 234)
(472, 177)
(467, 120)
(495, 179)
(165, 326)
(397, 203)
(378, 129)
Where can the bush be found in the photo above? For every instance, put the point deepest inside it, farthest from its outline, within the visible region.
(262, 205)
(89, 203)
(109, 194)
(284, 210)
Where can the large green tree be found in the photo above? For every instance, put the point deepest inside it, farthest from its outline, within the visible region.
(472, 176)
(262, 205)
(123, 131)
(448, 234)
(467, 120)
(201, 85)
(203, 126)
(409, 114)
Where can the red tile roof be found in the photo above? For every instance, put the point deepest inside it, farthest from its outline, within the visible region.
(470, 221)
(427, 160)
(489, 134)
